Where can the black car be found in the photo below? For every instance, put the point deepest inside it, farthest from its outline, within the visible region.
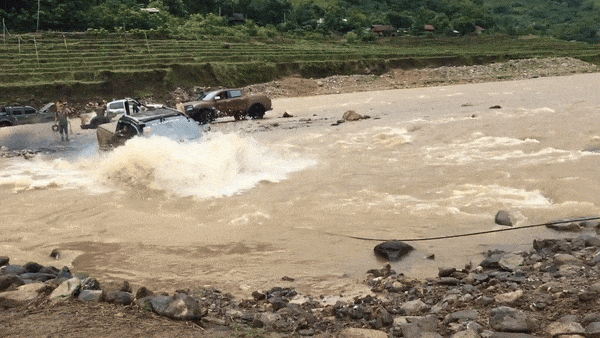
(165, 122)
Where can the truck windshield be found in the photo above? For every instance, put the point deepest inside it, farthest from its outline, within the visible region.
(210, 96)
(179, 128)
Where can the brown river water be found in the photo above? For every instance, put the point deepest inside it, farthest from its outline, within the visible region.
(255, 201)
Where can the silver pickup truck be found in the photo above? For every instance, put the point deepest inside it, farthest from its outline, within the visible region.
(16, 115)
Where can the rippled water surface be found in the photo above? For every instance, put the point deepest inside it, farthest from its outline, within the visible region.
(254, 201)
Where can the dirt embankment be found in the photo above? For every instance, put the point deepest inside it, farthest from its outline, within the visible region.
(296, 86)
(414, 78)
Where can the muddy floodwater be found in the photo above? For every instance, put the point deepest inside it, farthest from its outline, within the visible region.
(255, 201)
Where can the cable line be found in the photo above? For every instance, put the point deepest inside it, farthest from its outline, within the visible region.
(467, 234)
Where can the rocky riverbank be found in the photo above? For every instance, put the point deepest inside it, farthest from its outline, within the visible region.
(550, 290)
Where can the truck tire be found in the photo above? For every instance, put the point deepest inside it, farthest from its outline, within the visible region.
(5, 124)
(257, 111)
(204, 116)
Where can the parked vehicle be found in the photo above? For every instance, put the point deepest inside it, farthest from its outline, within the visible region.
(227, 102)
(116, 108)
(124, 106)
(16, 115)
(166, 122)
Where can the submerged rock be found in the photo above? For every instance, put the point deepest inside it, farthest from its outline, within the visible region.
(393, 250)
(503, 218)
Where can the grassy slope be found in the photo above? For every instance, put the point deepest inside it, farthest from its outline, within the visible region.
(81, 65)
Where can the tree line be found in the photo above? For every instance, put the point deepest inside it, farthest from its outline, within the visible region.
(563, 19)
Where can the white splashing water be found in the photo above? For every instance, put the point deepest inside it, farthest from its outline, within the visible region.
(219, 165)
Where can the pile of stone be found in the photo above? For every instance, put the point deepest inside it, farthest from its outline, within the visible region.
(552, 290)
(25, 153)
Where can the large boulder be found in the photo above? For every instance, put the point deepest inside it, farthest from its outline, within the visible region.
(503, 218)
(179, 306)
(393, 250)
(351, 115)
(66, 290)
(23, 295)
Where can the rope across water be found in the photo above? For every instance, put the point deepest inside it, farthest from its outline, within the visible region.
(468, 234)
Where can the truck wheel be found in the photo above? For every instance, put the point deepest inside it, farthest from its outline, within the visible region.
(204, 116)
(5, 124)
(257, 111)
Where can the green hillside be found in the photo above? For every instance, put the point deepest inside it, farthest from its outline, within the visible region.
(42, 67)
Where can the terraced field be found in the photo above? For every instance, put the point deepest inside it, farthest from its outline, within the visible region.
(42, 67)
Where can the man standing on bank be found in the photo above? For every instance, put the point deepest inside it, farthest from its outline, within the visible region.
(63, 122)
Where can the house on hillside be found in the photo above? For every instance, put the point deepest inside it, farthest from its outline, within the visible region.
(237, 19)
(429, 28)
(479, 29)
(380, 30)
(150, 10)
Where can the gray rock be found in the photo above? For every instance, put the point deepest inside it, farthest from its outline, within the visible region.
(416, 327)
(448, 281)
(485, 300)
(49, 270)
(36, 276)
(557, 329)
(590, 240)
(509, 297)
(595, 260)
(14, 269)
(66, 290)
(143, 292)
(511, 335)
(91, 296)
(307, 332)
(474, 326)
(125, 287)
(23, 295)
(592, 330)
(503, 218)
(179, 306)
(510, 261)
(32, 267)
(361, 333)
(266, 319)
(566, 226)
(565, 259)
(6, 281)
(118, 297)
(55, 253)
(414, 308)
(446, 272)
(466, 334)
(351, 115)
(506, 319)
(90, 284)
(462, 316)
(392, 250)
(492, 262)
(65, 273)
(568, 319)
(385, 316)
(590, 318)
